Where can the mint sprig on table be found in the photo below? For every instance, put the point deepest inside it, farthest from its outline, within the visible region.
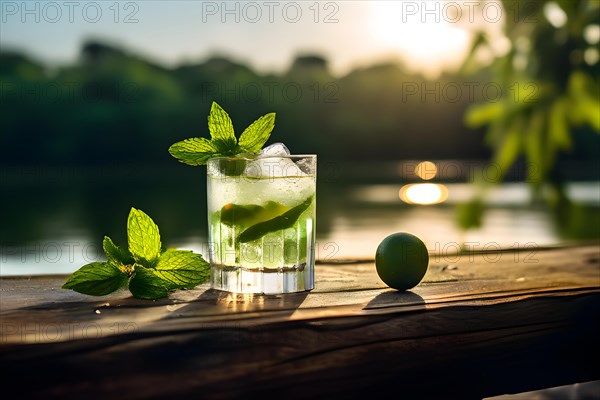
(223, 142)
(150, 271)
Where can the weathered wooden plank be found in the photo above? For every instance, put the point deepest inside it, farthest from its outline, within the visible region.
(485, 350)
(472, 329)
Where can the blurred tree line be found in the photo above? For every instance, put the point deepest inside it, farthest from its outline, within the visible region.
(115, 107)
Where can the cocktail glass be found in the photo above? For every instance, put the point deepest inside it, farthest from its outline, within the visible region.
(261, 214)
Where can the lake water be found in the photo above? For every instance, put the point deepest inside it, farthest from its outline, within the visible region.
(53, 224)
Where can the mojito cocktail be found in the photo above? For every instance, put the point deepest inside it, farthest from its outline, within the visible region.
(261, 213)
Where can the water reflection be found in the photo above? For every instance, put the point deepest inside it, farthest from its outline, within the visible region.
(424, 193)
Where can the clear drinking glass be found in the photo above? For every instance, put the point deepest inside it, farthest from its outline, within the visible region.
(261, 219)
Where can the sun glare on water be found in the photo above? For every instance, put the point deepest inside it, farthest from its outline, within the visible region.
(424, 193)
(420, 32)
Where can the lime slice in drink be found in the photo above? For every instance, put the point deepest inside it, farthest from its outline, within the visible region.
(250, 214)
(283, 221)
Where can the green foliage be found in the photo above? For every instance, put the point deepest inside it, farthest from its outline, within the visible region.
(149, 272)
(470, 214)
(550, 91)
(196, 151)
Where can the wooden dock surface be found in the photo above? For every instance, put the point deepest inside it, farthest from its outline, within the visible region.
(478, 325)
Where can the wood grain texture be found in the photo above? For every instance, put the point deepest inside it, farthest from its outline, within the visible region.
(478, 325)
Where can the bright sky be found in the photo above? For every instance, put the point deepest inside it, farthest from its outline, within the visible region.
(265, 34)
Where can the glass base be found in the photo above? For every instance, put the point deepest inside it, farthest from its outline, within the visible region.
(265, 280)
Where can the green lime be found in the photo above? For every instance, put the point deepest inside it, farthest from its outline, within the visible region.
(401, 260)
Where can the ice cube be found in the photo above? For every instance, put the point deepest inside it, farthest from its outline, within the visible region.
(276, 149)
(269, 164)
(307, 166)
(273, 167)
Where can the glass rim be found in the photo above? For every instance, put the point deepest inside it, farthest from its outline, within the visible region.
(262, 158)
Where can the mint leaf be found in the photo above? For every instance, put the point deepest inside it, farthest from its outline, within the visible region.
(182, 269)
(256, 135)
(146, 285)
(143, 238)
(96, 279)
(221, 129)
(116, 255)
(194, 151)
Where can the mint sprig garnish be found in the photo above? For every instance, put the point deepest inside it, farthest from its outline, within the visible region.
(149, 271)
(223, 142)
